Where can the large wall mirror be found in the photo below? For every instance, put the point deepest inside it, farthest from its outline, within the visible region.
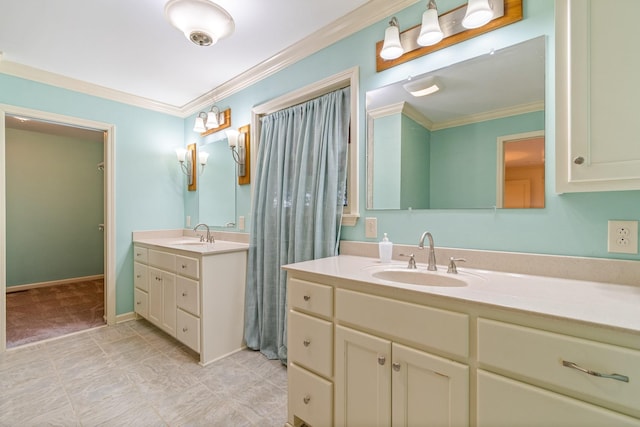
(217, 185)
(470, 135)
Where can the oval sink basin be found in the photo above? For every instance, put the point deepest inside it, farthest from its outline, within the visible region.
(418, 277)
(190, 243)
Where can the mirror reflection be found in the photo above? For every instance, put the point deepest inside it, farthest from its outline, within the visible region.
(438, 140)
(217, 186)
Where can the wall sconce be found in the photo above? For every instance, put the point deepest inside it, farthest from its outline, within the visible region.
(392, 47)
(213, 121)
(239, 144)
(437, 32)
(187, 159)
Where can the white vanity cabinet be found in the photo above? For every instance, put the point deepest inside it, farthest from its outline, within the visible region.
(597, 65)
(197, 299)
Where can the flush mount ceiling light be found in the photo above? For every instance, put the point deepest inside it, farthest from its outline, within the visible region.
(423, 87)
(202, 21)
(392, 47)
(430, 32)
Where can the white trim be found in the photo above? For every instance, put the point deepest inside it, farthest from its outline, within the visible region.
(110, 218)
(126, 317)
(349, 77)
(491, 115)
(27, 286)
(362, 17)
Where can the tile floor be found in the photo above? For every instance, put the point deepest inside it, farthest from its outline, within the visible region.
(133, 374)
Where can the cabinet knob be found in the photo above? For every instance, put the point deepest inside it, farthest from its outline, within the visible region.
(395, 366)
(306, 399)
(381, 360)
(578, 160)
(307, 297)
(185, 329)
(138, 302)
(184, 266)
(306, 342)
(138, 276)
(184, 294)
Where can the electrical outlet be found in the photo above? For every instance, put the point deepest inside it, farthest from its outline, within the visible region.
(240, 223)
(371, 228)
(623, 237)
(188, 221)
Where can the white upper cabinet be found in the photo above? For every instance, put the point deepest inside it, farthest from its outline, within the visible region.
(597, 95)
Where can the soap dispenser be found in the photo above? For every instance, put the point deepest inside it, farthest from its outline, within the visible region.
(385, 248)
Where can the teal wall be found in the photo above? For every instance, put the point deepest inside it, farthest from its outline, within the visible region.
(149, 188)
(416, 143)
(387, 162)
(54, 205)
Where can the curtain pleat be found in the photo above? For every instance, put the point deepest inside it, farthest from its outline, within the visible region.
(297, 208)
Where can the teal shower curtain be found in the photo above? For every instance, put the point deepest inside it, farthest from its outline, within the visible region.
(297, 208)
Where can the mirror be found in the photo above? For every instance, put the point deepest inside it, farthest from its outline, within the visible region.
(217, 185)
(441, 150)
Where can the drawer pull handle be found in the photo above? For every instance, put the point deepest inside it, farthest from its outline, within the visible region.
(381, 360)
(307, 297)
(185, 329)
(306, 399)
(616, 377)
(184, 266)
(396, 366)
(184, 294)
(306, 343)
(138, 302)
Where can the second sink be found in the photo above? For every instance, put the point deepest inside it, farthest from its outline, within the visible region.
(418, 277)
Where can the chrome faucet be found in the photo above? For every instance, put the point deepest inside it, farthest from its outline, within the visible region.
(210, 238)
(432, 253)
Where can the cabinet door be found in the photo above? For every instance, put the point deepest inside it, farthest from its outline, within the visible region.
(509, 403)
(141, 299)
(363, 379)
(428, 390)
(169, 303)
(155, 297)
(597, 95)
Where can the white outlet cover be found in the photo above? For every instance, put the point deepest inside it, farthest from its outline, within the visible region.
(623, 237)
(371, 228)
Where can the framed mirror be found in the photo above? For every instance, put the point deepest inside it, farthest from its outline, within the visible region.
(432, 140)
(217, 185)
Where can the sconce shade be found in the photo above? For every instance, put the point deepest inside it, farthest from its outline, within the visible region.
(232, 138)
(478, 13)
(181, 153)
(392, 48)
(199, 125)
(203, 157)
(430, 32)
(202, 21)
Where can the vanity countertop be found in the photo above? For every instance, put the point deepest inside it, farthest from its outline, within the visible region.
(193, 244)
(603, 304)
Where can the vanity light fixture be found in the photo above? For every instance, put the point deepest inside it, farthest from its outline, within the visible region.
(201, 21)
(392, 47)
(430, 32)
(238, 149)
(423, 87)
(479, 13)
(211, 120)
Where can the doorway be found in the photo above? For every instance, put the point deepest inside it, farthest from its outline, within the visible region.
(101, 233)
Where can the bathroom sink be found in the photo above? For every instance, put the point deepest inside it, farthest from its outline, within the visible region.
(190, 243)
(419, 277)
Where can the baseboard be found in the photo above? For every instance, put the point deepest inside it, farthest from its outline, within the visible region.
(18, 288)
(126, 317)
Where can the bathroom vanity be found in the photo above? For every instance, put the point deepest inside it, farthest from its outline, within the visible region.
(193, 291)
(490, 349)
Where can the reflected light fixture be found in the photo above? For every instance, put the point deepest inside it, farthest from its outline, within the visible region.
(202, 159)
(211, 120)
(423, 87)
(392, 47)
(479, 12)
(201, 21)
(186, 159)
(430, 32)
(238, 149)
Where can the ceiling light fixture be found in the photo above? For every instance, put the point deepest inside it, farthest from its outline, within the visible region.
(392, 47)
(423, 87)
(430, 32)
(202, 21)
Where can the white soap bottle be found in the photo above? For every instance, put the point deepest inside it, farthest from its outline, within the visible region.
(385, 248)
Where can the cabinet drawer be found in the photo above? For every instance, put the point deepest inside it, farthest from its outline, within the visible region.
(141, 299)
(310, 297)
(188, 295)
(537, 356)
(433, 328)
(310, 397)
(163, 260)
(140, 276)
(140, 254)
(187, 266)
(310, 343)
(188, 329)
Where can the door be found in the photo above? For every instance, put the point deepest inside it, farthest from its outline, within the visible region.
(362, 379)
(428, 390)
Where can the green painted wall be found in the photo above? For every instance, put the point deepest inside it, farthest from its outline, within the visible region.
(416, 144)
(54, 205)
(387, 182)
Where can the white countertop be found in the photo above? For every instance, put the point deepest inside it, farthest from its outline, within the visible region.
(193, 244)
(604, 304)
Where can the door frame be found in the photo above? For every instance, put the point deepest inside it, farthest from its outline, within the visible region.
(109, 208)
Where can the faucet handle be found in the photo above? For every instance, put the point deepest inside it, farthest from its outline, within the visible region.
(453, 269)
(412, 261)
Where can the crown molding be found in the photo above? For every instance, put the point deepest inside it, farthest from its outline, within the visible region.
(360, 18)
(491, 115)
